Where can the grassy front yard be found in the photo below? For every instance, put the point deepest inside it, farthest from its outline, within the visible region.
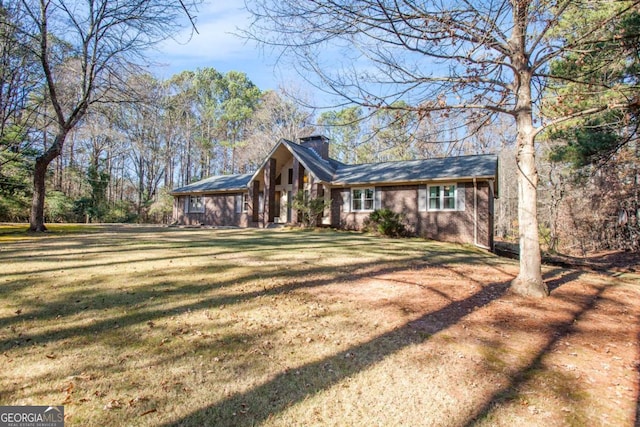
(129, 325)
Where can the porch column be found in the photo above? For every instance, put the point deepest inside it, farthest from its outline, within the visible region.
(255, 202)
(269, 190)
(297, 185)
(317, 192)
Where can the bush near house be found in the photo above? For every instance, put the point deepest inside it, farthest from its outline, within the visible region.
(386, 223)
(310, 208)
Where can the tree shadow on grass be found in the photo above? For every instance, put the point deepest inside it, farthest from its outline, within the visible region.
(81, 249)
(54, 306)
(513, 389)
(292, 386)
(289, 387)
(95, 300)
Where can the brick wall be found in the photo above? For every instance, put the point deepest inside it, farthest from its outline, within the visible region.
(449, 226)
(220, 210)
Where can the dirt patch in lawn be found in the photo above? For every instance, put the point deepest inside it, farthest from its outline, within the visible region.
(148, 326)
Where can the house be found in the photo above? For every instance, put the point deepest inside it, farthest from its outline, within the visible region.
(448, 199)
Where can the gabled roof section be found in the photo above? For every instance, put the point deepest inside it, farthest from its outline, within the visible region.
(238, 182)
(322, 169)
(482, 166)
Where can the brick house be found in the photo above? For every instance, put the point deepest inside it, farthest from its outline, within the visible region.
(448, 199)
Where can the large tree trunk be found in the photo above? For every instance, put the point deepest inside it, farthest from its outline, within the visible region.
(529, 280)
(36, 219)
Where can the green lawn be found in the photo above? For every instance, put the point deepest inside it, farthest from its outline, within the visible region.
(138, 325)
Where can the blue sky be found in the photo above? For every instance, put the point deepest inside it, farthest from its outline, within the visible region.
(216, 46)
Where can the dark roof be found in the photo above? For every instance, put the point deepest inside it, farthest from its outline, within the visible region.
(333, 172)
(217, 183)
(322, 169)
(418, 170)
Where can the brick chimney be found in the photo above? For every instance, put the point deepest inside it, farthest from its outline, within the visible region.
(318, 143)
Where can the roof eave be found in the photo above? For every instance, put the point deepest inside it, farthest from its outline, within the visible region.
(226, 190)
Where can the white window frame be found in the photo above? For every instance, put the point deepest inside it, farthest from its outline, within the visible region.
(440, 199)
(245, 202)
(362, 199)
(195, 204)
(241, 203)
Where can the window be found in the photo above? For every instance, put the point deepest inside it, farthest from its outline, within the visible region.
(362, 199)
(196, 204)
(245, 202)
(442, 197)
(242, 203)
(290, 178)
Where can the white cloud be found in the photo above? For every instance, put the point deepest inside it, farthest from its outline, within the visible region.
(217, 44)
(216, 39)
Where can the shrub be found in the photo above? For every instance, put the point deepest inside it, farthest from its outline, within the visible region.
(310, 208)
(14, 208)
(121, 212)
(161, 209)
(58, 207)
(386, 223)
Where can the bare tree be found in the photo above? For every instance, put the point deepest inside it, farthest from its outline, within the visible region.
(141, 127)
(275, 118)
(18, 80)
(487, 57)
(84, 48)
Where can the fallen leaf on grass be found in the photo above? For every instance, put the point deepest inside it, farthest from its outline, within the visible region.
(136, 400)
(68, 390)
(150, 411)
(113, 404)
(50, 356)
